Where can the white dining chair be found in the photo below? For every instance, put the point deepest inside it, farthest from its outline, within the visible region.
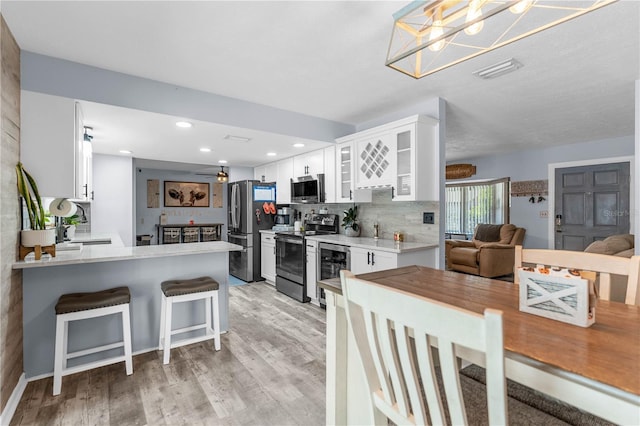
(386, 322)
(601, 265)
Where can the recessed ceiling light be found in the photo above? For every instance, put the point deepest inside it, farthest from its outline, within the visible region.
(298, 145)
(205, 149)
(222, 161)
(183, 124)
(237, 138)
(125, 151)
(271, 154)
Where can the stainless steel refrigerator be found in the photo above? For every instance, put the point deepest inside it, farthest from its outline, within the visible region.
(252, 207)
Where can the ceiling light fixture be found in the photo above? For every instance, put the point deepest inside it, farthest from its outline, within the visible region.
(205, 149)
(271, 154)
(429, 36)
(125, 151)
(237, 138)
(184, 124)
(222, 175)
(498, 69)
(298, 145)
(222, 161)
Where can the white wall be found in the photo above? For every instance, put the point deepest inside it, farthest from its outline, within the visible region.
(533, 165)
(112, 208)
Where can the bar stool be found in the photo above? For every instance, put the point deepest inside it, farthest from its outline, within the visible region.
(79, 306)
(177, 291)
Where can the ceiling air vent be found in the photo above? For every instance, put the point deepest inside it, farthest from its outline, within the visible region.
(498, 69)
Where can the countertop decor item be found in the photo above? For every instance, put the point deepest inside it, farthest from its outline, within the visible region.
(349, 222)
(459, 171)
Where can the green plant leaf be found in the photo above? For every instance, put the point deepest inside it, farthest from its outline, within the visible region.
(29, 192)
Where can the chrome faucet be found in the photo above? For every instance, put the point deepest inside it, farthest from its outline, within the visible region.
(83, 217)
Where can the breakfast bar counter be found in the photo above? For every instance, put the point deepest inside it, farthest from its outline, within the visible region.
(99, 267)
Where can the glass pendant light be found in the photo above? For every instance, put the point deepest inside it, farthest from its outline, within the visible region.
(474, 12)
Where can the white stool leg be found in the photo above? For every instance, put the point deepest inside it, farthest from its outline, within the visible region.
(60, 354)
(162, 319)
(167, 330)
(126, 335)
(216, 321)
(207, 316)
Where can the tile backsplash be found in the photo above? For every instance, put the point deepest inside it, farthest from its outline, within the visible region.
(391, 216)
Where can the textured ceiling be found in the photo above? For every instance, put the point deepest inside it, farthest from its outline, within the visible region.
(326, 59)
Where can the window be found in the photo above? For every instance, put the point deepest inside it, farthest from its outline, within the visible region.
(470, 203)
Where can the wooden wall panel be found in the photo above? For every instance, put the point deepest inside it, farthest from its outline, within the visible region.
(10, 280)
(153, 193)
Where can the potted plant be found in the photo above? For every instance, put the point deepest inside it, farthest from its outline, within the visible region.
(349, 222)
(38, 235)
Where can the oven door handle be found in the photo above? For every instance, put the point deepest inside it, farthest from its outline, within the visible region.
(288, 240)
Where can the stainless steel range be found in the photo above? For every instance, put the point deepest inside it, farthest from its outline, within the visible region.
(291, 257)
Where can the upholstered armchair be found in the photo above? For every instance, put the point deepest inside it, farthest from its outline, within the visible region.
(491, 252)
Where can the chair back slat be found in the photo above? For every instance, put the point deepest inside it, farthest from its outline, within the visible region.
(408, 364)
(378, 359)
(389, 351)
(451, 380)
(602, 265)
(429, 380)
(382, 319)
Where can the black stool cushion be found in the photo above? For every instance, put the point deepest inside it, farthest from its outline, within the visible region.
(75, 302)
(196, 285)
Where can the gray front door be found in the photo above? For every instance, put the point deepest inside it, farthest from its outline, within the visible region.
(591, 203)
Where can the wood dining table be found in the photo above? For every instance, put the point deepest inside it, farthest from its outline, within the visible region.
(596, 369)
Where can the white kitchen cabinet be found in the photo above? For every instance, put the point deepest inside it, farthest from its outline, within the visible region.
(283, 181)
(330, 174)
(268, 257)
(375, 160)
(312, 276)
(418, 162)
(52, 146)
(344, 172)
(404, 155)
(311, 163)
(365, 260)
(266, 172)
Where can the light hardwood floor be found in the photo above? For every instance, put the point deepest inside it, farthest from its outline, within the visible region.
(270, 371)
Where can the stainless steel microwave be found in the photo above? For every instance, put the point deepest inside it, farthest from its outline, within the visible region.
(308, 189)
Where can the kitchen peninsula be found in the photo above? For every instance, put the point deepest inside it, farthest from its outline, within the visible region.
(99, 267)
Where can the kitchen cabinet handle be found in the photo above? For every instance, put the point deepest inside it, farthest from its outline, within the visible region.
(350, 194)
(393, 190)
(368, 258)
(86, 190)
(373, 262)
(92, 195)
(274, 250)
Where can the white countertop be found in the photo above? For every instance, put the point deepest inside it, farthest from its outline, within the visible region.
(267, 231)
(117, 252)
(372, 244)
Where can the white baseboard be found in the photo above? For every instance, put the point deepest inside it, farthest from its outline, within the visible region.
(14, 400)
